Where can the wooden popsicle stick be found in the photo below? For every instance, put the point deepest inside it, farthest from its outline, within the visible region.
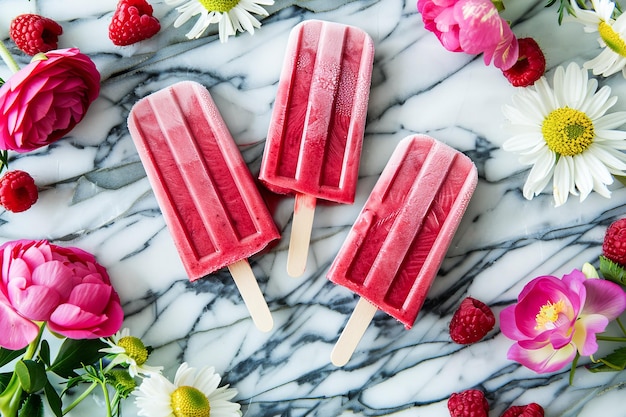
(252, 296)
(353, 332)
(303, 213)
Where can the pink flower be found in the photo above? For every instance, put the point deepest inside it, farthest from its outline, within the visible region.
(43, 101)
(64, 287)
(473, 27)
(554, 318)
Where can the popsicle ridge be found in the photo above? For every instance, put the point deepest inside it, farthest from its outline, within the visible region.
(203, 186)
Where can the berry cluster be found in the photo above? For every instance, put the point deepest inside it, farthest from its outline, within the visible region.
(18, 191)
(471, 321)
(132, 22)
(472, 403)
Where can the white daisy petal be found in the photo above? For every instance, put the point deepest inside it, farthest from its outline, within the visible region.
(154, 395)
(585, 166)
(237, 19)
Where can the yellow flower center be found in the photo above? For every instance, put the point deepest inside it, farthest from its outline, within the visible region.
(568, 131)
(548, 314)
(218, 5)
(612, 39)
(134, 348)
(190, 402)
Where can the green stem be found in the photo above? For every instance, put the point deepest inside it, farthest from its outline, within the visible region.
(105, 393)
(8, 58)
(88, 391)
(621, 326)
(10, 398)
(610, 338)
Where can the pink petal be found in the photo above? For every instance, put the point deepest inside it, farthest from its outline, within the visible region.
(16, 332)
(36, 302)
(542, 360)
(604, 297)
(91, 297)
(585, 333)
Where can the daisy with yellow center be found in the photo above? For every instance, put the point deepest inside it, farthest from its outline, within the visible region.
(567, 136)
(129, 350)
(232, 16)
(193, 394)
(612, 39)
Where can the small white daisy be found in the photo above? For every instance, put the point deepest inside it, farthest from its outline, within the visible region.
(231, 15)
(129, 350)
(192, 394)
(612, 32)
(566, 135)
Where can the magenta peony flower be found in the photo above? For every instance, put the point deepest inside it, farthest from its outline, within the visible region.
(473, 27)
(43, 101)
(64, 287)
(554, 318)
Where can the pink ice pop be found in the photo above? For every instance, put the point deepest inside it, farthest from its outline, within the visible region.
(314, 141)
(208, 197)
(397, 244)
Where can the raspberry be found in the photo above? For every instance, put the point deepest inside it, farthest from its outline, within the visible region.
(529, 410)
(132, 22)
(18, 191)
(530, 65)
(468, 403)
(34, 34)
(471, 321)
(614, 246)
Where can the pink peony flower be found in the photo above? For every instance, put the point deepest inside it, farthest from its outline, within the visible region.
(43, 101)
(554, 318)
(473, 27)
(64, 287)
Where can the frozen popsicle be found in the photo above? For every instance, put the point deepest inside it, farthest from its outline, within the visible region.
(397, 244)
(208, 197)
(314, 141)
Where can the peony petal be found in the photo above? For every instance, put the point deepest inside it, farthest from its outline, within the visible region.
(585, 333)
(91, 297)
(16, 332)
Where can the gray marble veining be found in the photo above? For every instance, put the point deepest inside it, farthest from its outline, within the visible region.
(95, 196)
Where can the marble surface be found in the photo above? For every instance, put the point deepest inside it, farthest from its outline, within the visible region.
(94, 194)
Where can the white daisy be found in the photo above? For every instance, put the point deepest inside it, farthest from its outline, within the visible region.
(612, 32)
(232, 15)
(565, 133)
(192, 394)
(129, 350)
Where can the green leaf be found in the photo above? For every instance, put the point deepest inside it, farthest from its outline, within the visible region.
(54, 400)
(613, 362)
(32, 375)
(5, 378)
(32, 407)
(7, 355)
(612, 271)
(44, 352)
(74, 354)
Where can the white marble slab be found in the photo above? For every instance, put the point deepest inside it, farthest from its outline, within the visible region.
(95, 196)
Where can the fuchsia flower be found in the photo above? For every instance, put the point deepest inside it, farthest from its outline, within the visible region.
(554, 318)
(473, 27)
(43, 101)
(64, 287)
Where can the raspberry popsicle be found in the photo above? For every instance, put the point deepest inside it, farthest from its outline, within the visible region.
(397, 244)
(314, 141)
(207, 195)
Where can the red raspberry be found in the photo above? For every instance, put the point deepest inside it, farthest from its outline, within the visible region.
(18, 191)
(614, 246)
(471, 321)
(529, 410)
(530, 66)
(468, 403)
(132, 22)
(34, 34)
